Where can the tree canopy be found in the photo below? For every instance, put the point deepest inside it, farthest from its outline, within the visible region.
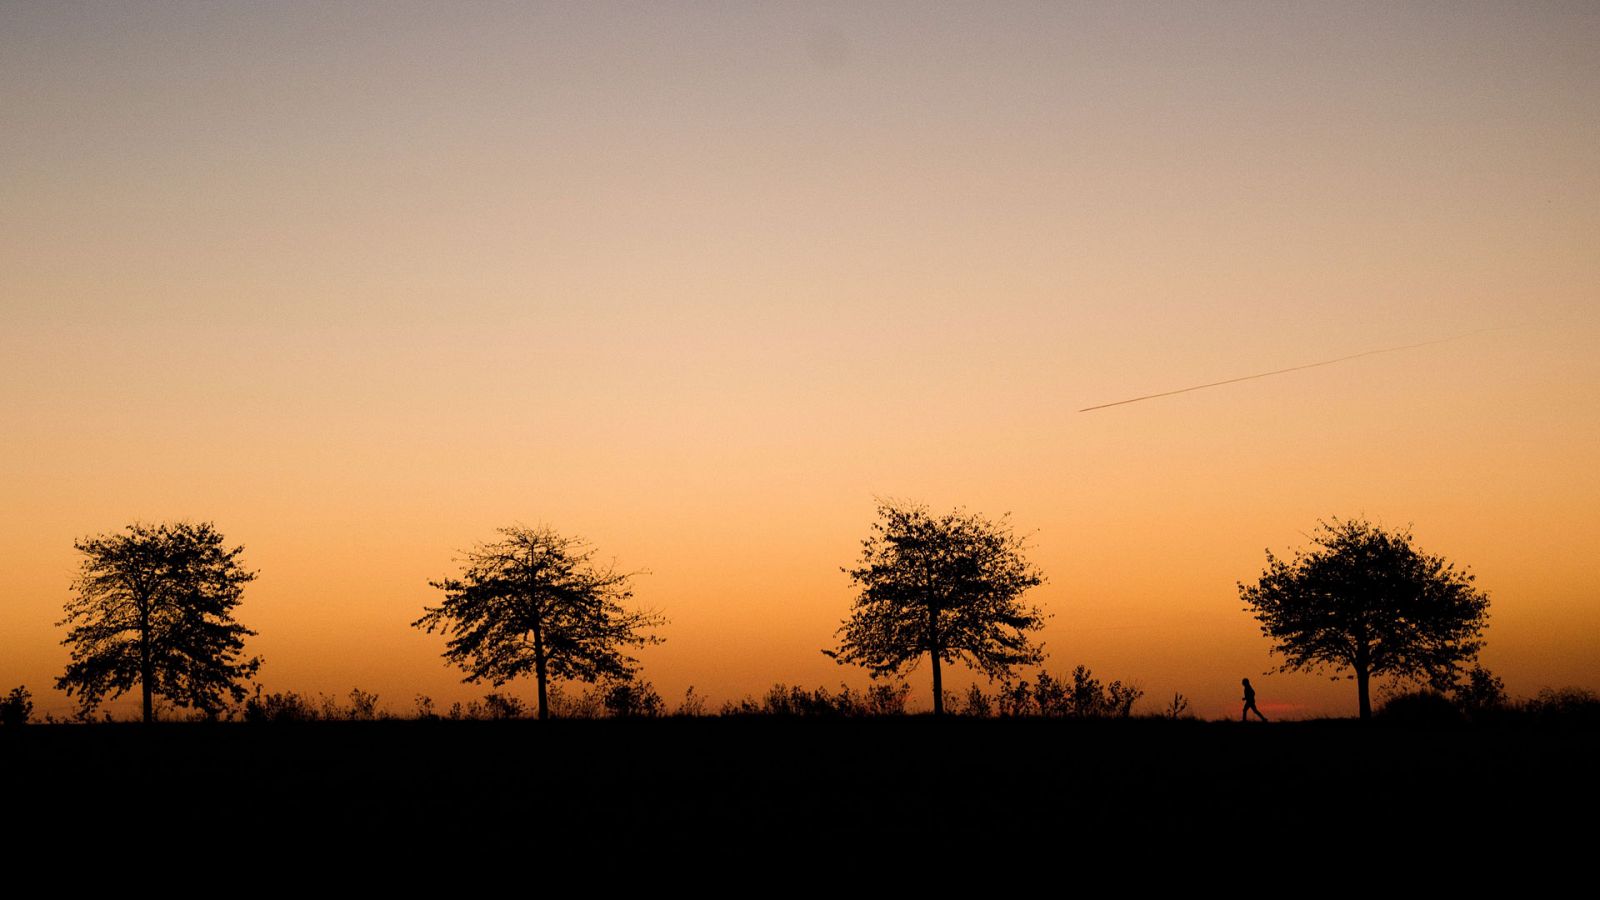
(947, 586)
(535, 602)
(1364, 600)
(154, 607)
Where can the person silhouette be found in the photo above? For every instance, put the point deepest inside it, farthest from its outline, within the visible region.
(1250, 703)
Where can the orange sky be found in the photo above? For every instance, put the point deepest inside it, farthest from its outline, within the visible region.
(361, 283)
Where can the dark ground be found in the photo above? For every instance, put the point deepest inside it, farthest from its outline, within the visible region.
(955, 792)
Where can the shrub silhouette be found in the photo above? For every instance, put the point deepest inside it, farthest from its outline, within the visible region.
(1078, 696)
(292, 706)
(1424, 705)
(363, 706)
(786, 700)
(632, 700)
(1480, 694)
(885, 700)
(1573, 705)
(16, 707)
(287, 706)
(977, 703)
(564, 704)
(499, 707)
(692, 705)
(1178, 708)
(1015, 699)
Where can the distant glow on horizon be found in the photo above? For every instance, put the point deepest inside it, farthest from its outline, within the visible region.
(361, 283)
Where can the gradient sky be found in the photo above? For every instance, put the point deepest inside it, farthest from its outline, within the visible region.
(362, 282)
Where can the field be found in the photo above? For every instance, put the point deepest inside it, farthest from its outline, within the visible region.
(938, 790)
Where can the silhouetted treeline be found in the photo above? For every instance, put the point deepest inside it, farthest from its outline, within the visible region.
(152, 609)
(1076, 695)
(1479, 697)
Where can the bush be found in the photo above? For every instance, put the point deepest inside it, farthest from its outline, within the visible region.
(1080, 696)
(632, 699)
(1015, 699)
(1120, 699)
(498, 707)
(1569, 704)
(287, 706)
(16, 707)
(885, 700)
(1481, 694)
(784, 700)
(614, 698)
(1177, 709)
(693, 704)
(1420, 706)
(293, 706)
(363, 706)
(977, 703)
(564, 705)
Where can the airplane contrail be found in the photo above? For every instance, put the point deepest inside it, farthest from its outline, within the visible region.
(1326, 362)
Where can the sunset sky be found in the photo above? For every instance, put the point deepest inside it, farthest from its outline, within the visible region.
(361, 283)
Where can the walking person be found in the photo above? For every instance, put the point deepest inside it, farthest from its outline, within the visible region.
(1250, 704)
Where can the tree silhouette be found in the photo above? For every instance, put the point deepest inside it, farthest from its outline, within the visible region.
(1366, 601)
(534, 602)
(948, 587)
(154, 606)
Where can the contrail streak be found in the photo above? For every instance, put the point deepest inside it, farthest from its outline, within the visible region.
(1326, 362)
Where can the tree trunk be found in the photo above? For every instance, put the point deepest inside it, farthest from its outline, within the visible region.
(1361, 691)
(146, 668)
(538, 674)
(933, 641)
